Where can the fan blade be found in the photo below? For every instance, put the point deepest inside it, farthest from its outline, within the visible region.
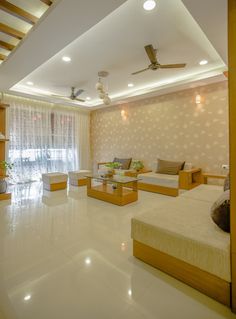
(61, 96)
(172, 66)
(151, 52)
(80, 100)
(140, 71)
(79, 92)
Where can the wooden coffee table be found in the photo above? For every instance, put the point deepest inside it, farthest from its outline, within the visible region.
(125, 191)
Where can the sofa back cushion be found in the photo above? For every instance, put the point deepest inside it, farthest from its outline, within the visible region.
(125, 162)
(168, 167)
(220, 211)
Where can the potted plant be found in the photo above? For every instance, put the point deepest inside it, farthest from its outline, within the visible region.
(137, 165)
(108, 169)
(4, 168)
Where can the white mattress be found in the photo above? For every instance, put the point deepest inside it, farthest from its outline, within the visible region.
(160, 179)
(183, 229)
(208, 193)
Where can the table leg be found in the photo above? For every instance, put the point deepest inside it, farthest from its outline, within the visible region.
(135, 186)
(119, 189)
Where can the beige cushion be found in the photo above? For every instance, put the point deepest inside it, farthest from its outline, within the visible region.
(76, 175)
(168, 167)
(54, 178)
(183, 228)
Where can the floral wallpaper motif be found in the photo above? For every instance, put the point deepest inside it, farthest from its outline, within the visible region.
(172, 127)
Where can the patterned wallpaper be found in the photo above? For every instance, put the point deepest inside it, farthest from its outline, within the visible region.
(171, 127)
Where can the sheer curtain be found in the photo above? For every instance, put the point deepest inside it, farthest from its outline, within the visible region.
(44, 138)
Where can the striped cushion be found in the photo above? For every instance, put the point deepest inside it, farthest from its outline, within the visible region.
(167, 167)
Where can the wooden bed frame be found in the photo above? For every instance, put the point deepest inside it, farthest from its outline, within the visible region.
(203, 281)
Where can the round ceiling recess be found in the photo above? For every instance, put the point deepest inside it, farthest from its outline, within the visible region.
(103, 74)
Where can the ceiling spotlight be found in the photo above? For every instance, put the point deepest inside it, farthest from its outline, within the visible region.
(30, 83)
(88, 261)
(130, 85)
(203, 62)
(27, 297)
(88, 98)
(149, 5)
(66, 59)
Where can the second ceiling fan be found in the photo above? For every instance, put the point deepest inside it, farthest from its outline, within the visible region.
(155, 65)
(73, 96)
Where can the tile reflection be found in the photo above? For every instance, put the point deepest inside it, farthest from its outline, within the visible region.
(54, 198)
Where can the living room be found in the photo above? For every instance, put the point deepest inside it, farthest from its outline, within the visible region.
(117, 159)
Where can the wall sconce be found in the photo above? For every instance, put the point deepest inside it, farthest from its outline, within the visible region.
(124, 115)
(198, 99)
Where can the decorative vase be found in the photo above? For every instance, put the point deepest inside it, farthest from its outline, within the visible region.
(3, 186)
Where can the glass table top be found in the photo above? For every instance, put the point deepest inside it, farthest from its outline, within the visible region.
(114, 179)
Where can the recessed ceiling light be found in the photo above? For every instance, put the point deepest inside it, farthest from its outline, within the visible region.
(88, 98)
(149, 5)
(88, 261)
(203, 62)
(66, 59)
(130, 85)
(27, 297)
(30, 83)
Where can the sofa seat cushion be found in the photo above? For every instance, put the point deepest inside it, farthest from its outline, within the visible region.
(160, 179)
(54, 178)
(207, 193)
(183, 228)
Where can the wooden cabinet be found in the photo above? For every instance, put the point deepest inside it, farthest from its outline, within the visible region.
(3, 141)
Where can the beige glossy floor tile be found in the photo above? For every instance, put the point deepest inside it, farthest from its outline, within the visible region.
(66, 256)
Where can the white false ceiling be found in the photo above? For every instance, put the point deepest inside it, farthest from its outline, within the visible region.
(116, 44)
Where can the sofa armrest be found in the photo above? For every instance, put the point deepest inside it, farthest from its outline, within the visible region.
(190, 178)
(102, 163)
(135, 173)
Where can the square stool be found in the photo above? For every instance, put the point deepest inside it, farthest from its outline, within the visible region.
(77, 178)
(54, 181)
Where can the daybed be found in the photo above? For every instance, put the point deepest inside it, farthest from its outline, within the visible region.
(180, 238)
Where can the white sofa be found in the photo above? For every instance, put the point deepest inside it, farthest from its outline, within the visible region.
(170, 184)
(159, 183)
(180, 238)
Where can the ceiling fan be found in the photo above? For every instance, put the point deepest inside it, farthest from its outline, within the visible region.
(155, 65)
(74, 95)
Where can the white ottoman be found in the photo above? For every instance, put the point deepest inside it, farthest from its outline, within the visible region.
(77, 178)
(54, 181)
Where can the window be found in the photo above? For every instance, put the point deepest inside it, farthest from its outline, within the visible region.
(42, 139)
